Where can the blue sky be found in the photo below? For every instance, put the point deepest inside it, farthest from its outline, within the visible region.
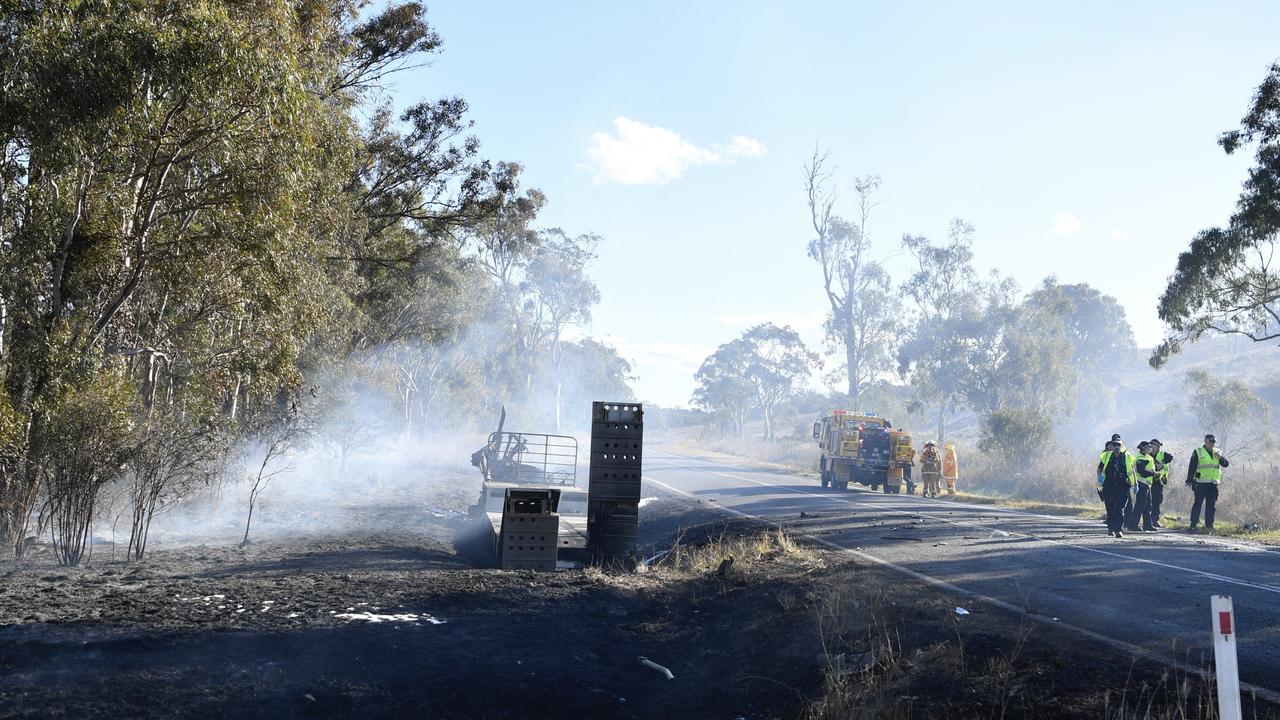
(1078, 138)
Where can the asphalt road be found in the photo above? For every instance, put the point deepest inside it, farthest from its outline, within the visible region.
(1147, 594)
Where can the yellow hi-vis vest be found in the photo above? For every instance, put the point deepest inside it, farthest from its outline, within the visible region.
(1207, 468)
(1163, 473)
(1128, 464)
(1151, 466)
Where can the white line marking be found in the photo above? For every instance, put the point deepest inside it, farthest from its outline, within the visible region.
(1063, 543)
(1162, 537)
(1268, 695)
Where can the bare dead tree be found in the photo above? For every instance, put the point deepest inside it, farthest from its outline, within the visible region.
(861, 320)
(175, 458)
(278, 443)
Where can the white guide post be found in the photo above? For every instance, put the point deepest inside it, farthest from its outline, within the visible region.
(1224, 657)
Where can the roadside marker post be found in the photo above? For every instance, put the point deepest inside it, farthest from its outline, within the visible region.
(1224, 656)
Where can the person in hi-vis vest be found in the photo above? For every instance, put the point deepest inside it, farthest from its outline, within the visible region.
(1115, 479)
(1203, 476)
(1162, 460)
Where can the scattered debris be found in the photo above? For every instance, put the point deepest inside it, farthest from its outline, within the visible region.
(846, 664)
(999, 533)
(377, 618)
(649, 663)
(655, 558)
(725, 566)
(900, 537)
(961, 611)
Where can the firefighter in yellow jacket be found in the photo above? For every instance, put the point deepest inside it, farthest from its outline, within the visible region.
(950, 468)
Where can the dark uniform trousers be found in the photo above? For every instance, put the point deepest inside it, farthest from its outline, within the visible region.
(1115, 495)
(1157, 497)
(1141, 512)
(1207, 495)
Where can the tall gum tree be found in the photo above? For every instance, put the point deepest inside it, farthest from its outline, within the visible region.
(1227, 281)
(862, 321)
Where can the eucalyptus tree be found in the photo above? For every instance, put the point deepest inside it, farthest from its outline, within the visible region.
(1227, 281)
(862, 319)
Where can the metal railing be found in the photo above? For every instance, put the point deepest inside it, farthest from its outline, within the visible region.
(535, 458)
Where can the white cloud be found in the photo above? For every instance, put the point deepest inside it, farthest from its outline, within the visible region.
(811, 320)
(641, 154)
(1120, 235)
(1066, 224)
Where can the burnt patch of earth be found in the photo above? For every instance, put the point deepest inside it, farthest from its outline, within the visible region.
(393, 622)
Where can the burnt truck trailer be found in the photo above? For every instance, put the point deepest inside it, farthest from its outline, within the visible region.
(530, 491)
(863, 449)
(537, 515)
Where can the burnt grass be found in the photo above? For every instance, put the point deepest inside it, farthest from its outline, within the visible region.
(214, 631)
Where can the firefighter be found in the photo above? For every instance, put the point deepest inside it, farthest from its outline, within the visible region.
(950, 468)
(1145, 475)
(1203, 475)
(931, 469)
(1162, 460)
(1115, 478)
(906, 472)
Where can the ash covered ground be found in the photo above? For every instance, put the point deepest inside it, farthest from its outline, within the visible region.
(361, 607)
(365, 604)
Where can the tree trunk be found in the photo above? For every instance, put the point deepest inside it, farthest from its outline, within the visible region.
(558, 388)
(851, 359)
(942, 422)
(248, 520)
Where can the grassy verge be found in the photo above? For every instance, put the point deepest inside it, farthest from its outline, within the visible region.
(1036, 506)
(852, 640)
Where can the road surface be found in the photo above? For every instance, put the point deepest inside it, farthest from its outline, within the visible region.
(1146, 594)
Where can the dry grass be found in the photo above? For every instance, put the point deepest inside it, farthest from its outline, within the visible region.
(733, 554)
(857, 619)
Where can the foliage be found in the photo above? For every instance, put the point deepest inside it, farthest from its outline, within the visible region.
(954, 332)
(760, 370)
(1229, 410)
(1226, 281)
(1097, 337)
(1014, 434)
(214, 207)
(94, 427)
(723, 386)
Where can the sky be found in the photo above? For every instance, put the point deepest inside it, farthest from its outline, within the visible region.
(1079, 139)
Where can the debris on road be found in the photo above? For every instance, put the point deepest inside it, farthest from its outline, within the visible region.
(649, 663)
(961, 611)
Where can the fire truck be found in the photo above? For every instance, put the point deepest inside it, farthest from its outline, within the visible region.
(863, 449)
